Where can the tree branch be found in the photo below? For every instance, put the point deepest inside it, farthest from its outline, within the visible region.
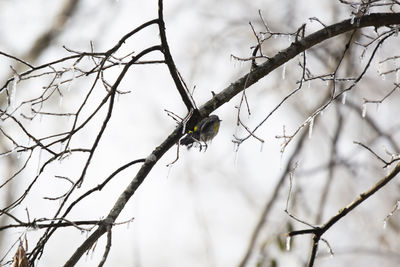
(228, 93)
(170, 62)
(319, 231)
(376, 20)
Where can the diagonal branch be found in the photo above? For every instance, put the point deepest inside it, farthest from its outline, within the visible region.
(319, 231)
(376, 20)
(228, 93)
(119, 205)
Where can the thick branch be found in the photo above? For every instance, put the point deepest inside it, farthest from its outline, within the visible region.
(126, 195)
(223, 97)
(376, 20)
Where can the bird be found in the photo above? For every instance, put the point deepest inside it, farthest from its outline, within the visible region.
(204, 132)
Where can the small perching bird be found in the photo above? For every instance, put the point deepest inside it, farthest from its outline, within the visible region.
(204, 131)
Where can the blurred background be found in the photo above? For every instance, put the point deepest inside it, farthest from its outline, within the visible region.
(204, 209)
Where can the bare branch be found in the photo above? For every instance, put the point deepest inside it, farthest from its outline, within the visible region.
(319, 231)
